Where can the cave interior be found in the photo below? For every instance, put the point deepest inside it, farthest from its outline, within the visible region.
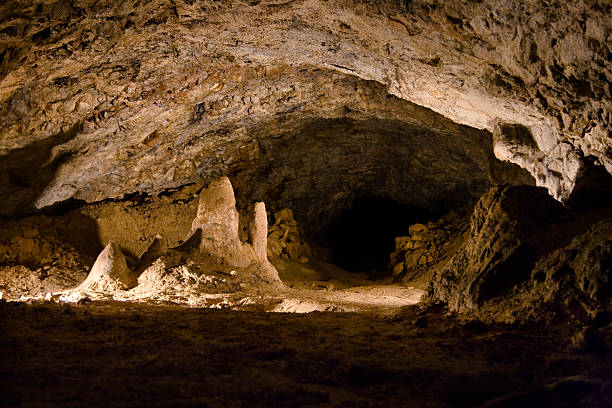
(306, 203)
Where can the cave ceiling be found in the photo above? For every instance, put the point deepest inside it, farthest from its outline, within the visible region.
(101, 99)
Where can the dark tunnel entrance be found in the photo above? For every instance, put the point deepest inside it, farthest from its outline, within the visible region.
(362, 238)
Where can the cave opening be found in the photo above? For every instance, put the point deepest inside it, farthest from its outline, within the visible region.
(362, 237)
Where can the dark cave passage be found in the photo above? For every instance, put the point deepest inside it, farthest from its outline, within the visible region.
(361, 238)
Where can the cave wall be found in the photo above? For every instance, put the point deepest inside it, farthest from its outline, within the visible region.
(100, 99)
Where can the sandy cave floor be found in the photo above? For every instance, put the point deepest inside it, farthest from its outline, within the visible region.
(349, 341)
(135, 354)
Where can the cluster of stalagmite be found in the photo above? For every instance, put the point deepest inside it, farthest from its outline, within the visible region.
(218, 220)
(216, 232)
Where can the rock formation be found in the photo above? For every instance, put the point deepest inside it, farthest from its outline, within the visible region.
(122, 123)
(308, 105)
(258, 232)
(284, 238)
(163, 270)
(578, 275)
(218, 221)
(505, 236)
(509, 267)
(427, 245)
(109, 273)
(100, 101)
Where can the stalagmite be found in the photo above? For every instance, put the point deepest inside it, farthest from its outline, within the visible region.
(218, 220)
(109, 273)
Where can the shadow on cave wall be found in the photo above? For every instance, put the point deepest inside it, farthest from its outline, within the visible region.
(593, 189)
(25, 173)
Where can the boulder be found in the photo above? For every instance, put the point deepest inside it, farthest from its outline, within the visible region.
(284, 239)
(579, 273)
(506, 236)
(426, 246)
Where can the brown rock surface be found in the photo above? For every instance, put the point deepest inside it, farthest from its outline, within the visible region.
(506, 235)
(427, 249)
(577, 276)
(147, 96)
(510, 268)
(109, 273)
(284, 239)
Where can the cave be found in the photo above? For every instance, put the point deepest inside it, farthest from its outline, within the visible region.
(305, 203)
(361, 238)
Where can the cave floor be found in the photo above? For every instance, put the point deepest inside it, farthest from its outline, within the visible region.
(107, 353)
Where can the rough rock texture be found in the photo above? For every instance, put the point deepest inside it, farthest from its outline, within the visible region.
(505, 237)
(578, 275)
(42, 254)
(218, 220)
(133, 224)
(509, 268)
(284, 238)
(17, 281)
(109, 273)
(416, 256)
(101, 100)
(258, 232)
(171, 277)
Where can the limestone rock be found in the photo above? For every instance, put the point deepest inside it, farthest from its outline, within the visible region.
(580, 272)
(147, 104)
(505, 239)
(109, 273)
(218, 219)
(416, 254)
(284, 239)
(156, 249)
(258, 232)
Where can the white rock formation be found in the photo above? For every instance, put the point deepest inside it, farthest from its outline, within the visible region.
(258, 232)
(218, 220)
(109, 273)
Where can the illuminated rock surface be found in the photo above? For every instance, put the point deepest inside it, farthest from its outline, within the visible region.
(109, 273)
(105, 100)
(397, 146)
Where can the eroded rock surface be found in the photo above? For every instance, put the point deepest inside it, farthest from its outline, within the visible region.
(284, 239)
(579, 275)
(218, 220)
(506, 235)
(427, 248)
(145, 96)
(219, 223)
(109, 273)
(528, 258)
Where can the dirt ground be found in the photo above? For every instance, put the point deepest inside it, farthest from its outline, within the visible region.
(194, 334)
(106, 354)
